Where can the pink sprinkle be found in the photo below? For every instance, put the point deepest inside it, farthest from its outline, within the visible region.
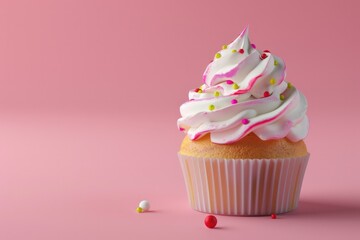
(234, 101)
(229, 82)
(263, 56)
(181, 129)
(253, 45)
(245, 121)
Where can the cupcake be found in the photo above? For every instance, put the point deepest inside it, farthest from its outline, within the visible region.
(243, 153)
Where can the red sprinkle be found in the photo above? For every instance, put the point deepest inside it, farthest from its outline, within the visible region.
(253, 45)
(266, 51)
(245, 121)
(210, 221)
(241, 50)
(197, 89)
(263, 56)
(266, 94)
(229, 82)
(181, 129)
(234, 101)
(273, 216)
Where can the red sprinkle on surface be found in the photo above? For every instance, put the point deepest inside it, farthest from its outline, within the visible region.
(241, 50)
(245, 121)
(273, 216)
(266, 51)
(229, 82)
(234, 101)
(263, 56)
(197, 89)
(266, 94)
(181, 129)
(253, 45)
(210, 221)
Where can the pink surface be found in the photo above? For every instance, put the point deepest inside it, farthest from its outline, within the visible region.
(89, 97)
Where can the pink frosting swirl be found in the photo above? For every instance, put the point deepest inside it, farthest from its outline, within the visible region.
(244, 91)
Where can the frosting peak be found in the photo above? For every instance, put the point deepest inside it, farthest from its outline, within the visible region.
(244, 91)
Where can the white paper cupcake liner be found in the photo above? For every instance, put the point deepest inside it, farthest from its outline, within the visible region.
(243, 186)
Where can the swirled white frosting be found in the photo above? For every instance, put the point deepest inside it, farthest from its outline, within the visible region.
(244, 91)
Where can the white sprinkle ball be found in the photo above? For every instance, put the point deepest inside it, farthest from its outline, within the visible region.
(145, 205)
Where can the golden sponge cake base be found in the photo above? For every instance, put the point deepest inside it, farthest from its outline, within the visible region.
(249, 147)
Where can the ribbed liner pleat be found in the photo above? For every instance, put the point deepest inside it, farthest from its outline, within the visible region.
(243, 186)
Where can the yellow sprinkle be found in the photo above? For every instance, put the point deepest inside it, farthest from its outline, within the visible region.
(216, 94)
(282, 97)
(211, 107)
(224, 47)
(289, 85)
(199, 91)
(234, 51)
(272, 81)
(139, 210)
(235, 86)
(217, 55)
(275, 63)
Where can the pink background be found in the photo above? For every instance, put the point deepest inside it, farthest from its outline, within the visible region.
(89, 97)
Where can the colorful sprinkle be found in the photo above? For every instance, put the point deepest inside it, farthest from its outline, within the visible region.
(181, 129)
(216, 94)
(234, 101)
(234, 51)
(282, 97)
(272, 81)
(217, 55)
(198, 90)
(253, 45)
(210, 221)
(266, 51)
(224, 46)
(289, 85)
(245, 121)
(273, 216)
(266, 94)
(139, 210)
(263, 56)
(211, 107)
(275, 63)
(241, 50)
(229, 82)
(235, 86)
